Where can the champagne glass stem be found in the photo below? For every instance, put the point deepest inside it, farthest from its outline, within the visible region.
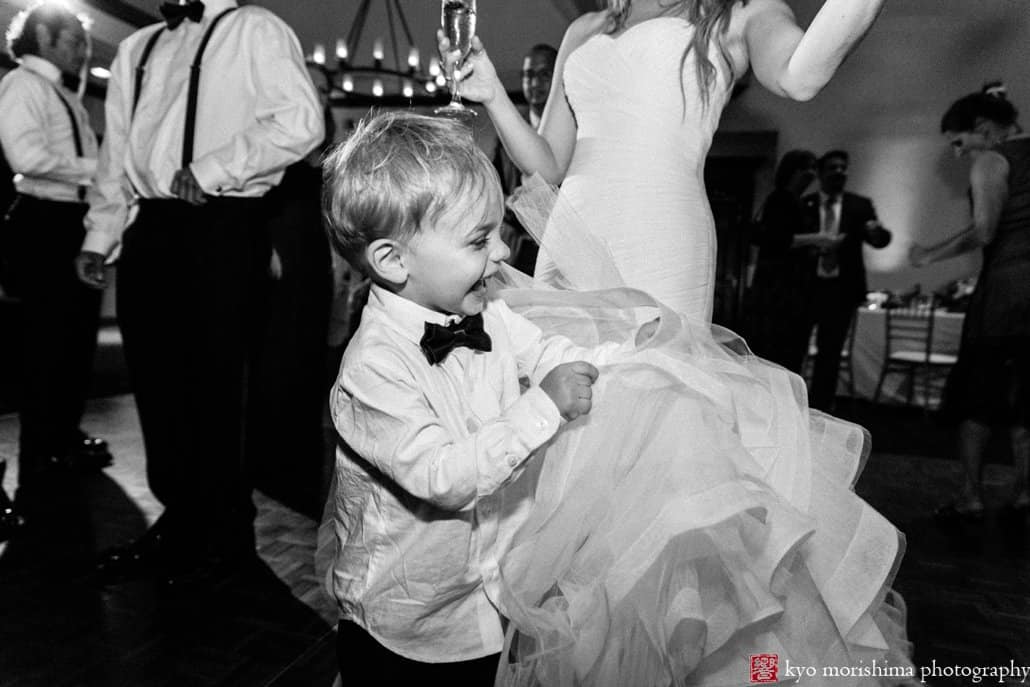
(456, 85)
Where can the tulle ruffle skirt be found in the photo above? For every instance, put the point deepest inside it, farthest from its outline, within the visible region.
(700, 515)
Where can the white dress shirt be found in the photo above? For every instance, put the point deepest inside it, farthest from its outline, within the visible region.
(442, 482)
(37, 133)
(257, 112)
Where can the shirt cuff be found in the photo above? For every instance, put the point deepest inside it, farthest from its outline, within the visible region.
(535, 419)
(98, 242)
(532, 420)
(89, 169)
(208, 175)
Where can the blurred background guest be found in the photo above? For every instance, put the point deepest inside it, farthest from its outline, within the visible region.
(537, 72)
(990, 384)
(193, 263)
(777, 304)
(846, 221)
(52, 152)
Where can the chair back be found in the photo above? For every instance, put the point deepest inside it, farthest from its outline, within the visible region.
(910, 328)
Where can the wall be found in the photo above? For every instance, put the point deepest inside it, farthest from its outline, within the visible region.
(884, 106)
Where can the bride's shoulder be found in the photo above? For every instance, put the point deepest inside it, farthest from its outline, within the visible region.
(751, 10)
(583, 27)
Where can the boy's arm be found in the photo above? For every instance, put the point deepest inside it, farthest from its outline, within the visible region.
(537, 353)
(389, 422)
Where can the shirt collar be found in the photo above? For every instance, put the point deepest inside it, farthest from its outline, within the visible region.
(823, 197)
(212, 8)
(406, 317)
(45, 68)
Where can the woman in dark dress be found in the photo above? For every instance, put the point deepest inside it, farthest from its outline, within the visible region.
(990, 385)
(778, 321)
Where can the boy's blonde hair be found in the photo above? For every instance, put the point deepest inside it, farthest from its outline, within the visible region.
(396, 171)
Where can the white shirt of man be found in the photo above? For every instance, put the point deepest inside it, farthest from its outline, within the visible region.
(257, 113)
(440, 477)
(37, 133)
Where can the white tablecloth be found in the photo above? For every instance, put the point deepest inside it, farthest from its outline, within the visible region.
(870, 342)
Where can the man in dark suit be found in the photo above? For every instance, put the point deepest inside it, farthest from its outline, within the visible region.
(849, 221)
(537, 72)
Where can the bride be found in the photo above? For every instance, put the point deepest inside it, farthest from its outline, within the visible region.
(701, 517)
(630, 118)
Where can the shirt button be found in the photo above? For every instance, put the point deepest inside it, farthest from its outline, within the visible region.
(472, 425)
(513, 461)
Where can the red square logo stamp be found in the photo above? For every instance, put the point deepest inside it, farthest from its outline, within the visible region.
(764, 667)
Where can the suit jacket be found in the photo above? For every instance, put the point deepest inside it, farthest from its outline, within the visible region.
(855, 211)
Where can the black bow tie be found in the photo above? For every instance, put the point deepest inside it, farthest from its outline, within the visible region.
(174, 13)
(439, 340)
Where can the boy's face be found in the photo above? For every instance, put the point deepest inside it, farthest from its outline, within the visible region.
(449, 261)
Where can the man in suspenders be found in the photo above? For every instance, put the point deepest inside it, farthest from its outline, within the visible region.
(52, 152)
(204, 112)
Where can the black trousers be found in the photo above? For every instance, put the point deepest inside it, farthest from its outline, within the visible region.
(190, 286)
(59, 320)
(832, 311)
(364, 661)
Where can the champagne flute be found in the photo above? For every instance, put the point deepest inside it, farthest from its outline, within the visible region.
(458, 18)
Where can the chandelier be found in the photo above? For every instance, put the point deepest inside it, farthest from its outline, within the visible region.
(356, 83)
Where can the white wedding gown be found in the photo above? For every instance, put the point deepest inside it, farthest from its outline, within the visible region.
(701, 514)
(637, 174)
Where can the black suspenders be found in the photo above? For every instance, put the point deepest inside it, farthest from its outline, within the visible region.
(194, 85)
(76, 134)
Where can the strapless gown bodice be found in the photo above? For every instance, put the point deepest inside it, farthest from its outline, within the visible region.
(636, 177)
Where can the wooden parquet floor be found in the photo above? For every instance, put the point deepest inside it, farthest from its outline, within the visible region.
(967, 588)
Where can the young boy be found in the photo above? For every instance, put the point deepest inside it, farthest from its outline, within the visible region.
(436, 472)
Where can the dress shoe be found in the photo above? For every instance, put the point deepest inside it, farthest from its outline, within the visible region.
(148, 556)
(88, 454)
(10, 521)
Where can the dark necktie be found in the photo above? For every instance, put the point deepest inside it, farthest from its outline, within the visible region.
(828, 262)
(439, 340)
(175, 13)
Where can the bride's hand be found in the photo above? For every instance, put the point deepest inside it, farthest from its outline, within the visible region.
(479, 82)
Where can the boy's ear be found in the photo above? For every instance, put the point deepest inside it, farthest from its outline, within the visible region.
(385, 257)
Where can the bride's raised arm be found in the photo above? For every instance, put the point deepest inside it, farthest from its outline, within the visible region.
(797, 63)
(549, 151)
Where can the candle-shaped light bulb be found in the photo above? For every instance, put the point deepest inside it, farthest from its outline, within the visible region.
(377, 88)
(413, 58)
(377, 50)
(408, 90)
(440, 80)
(348, 83)
(434, 66)
(341, 50)
(318, 54)
(430, 87)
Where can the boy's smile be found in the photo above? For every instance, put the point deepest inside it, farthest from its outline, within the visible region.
(449, 261)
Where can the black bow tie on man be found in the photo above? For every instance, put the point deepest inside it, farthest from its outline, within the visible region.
(439, 340)
(174, 13)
